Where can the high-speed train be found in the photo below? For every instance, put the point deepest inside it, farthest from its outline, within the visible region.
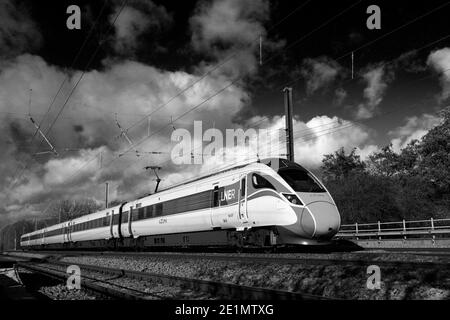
(269, 203)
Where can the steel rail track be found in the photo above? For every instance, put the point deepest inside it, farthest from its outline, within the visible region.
(87, 282)
(445, 263)
(223, 289)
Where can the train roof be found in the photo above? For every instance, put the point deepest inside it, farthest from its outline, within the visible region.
(268, 162)
(265, 161)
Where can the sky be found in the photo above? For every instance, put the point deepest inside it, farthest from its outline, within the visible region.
(155, 67)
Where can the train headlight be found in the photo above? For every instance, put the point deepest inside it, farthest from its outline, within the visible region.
(292, 198)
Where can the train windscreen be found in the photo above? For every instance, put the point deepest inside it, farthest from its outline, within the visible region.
(300, 180)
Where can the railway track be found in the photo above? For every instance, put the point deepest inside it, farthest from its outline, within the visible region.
(109, 288)
(370, 258)
(88, 283)
(149, 267)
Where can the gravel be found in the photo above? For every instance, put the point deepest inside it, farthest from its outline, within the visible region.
(145, 289)
(49, 288)
(342, 281)
(60, 292)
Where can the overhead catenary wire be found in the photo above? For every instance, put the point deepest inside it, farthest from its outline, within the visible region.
(271, 58)
(312, 137)
(348, 124)
(367, 44)
(216, 67)
(234, 54)
(291, 45)
(86, 68)
(291, 82)
(75, 60)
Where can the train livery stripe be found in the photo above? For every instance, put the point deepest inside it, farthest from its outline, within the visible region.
(263, 193)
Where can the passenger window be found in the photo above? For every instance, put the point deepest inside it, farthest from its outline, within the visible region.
(259, 182)
(149, 212)
(158, 209)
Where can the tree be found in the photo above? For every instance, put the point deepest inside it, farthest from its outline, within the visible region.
(434, 152)
(339, 165)
(384, 163)
(67, 209)
(387, 162)
(411, 184)
(362, 197)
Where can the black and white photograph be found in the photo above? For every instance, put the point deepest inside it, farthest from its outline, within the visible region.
(224, 158)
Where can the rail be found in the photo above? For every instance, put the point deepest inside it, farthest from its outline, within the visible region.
(220, 289)
(413, 229)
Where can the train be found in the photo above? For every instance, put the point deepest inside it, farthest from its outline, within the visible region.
(264, 204)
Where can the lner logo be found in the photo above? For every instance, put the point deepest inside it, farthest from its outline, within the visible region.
(228, 195)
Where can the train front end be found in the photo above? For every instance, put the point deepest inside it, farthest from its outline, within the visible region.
(318, 218)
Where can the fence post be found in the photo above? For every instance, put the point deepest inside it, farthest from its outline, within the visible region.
(356, 226)
(432, 229)
(379, 230)
(404, 229)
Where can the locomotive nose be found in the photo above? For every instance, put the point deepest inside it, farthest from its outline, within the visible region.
(324, 221)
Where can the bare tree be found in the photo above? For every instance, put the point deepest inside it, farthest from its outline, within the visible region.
(69, 209)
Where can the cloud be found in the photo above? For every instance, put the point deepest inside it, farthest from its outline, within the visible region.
(130, 89)
(377, 79)
(18, 32)
(136, 19)
(224, 27)
(319, 73)
(409, 62)
(414, 128)
(319, 136)
(439, 60)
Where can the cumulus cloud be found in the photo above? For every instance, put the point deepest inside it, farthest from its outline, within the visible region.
(86, 135)
(377, 79)
(320, 135)
(319, 73)
(18, 32)
(137, 18)
(414, 128)
(439, 60)
(128, 88)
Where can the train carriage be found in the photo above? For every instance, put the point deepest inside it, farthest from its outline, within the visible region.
(262, 204)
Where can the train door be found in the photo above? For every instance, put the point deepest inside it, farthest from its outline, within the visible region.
(110, 217)
(215, 205)
(114, 232)
(125, 224)
(43, 236)
(119, 222)
(130, 218)
(65, 233)
(243, 217)
(69, 231)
